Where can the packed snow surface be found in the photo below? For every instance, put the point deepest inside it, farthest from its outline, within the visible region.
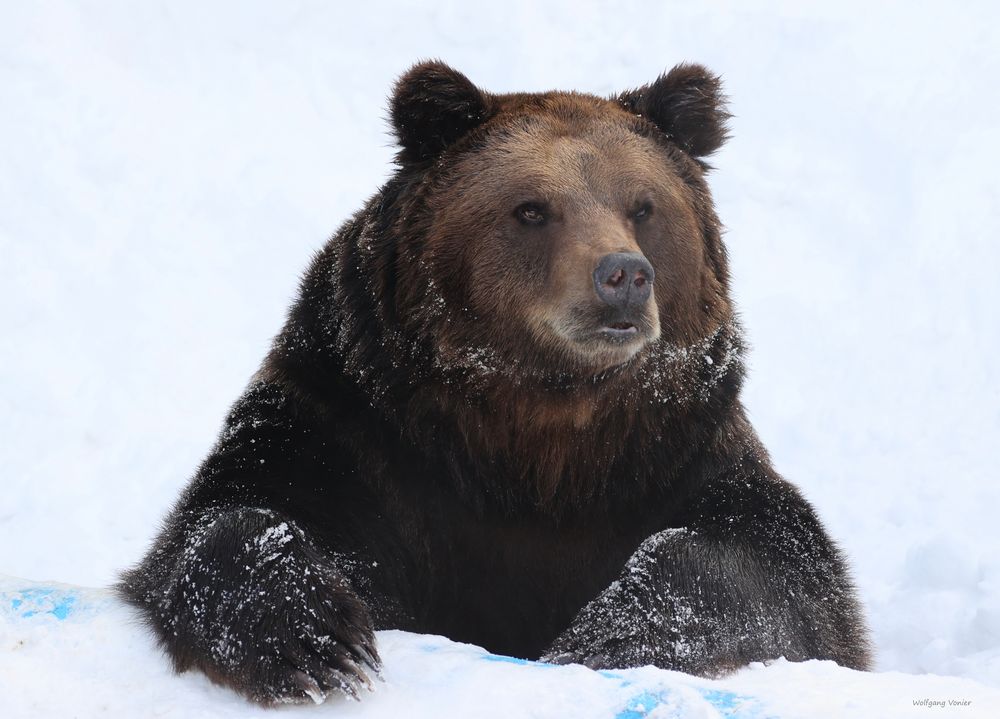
(169, 167)
(67, 651)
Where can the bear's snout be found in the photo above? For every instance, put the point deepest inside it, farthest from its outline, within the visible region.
(624, 280)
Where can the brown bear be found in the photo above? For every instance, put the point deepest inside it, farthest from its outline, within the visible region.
(505, 408)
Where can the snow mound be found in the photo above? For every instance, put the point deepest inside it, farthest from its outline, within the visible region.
(72, 651)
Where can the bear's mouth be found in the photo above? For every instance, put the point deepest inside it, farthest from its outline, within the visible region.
(600, 338)
(617, 340)
(618, 336)
(620, 330)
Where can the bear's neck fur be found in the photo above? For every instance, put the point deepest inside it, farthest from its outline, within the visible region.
(619, 437)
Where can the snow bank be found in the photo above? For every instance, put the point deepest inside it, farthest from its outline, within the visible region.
(68, 651)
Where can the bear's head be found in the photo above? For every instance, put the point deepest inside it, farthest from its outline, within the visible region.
(558, 234)
(540, 286)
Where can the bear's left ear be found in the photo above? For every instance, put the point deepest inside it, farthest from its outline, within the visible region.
(687, 104)
(433, 105)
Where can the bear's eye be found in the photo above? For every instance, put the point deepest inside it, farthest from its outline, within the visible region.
(642, 212)
(530, 213)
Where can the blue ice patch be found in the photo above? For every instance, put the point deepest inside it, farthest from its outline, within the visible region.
(515, 660)
(502, 658)
(732, 705)
(33, 602)
(644, 702)
(729, 704)
(641, 705)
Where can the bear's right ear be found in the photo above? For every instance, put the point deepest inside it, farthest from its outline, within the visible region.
(433, 105)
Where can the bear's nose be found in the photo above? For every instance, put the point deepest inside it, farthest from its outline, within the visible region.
(623, 279)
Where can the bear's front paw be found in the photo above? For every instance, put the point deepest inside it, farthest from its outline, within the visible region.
(620, 628)
(260, 609)
(310, 666)
(643, 617)
(307, 640)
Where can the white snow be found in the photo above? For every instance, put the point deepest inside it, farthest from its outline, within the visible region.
(169, 167)
(90, 658)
